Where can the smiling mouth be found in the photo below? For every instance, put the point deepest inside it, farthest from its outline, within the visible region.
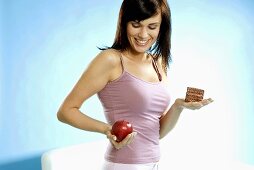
(141, 42)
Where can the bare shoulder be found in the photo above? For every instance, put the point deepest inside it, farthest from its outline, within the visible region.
(108, 62)
(109, 57)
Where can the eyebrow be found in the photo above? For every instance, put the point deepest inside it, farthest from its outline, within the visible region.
(154, 23)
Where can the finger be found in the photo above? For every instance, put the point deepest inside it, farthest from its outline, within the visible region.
(114, 143)
(117, 145)
(206, 101)
(114, 137)
(202, 103)
(193, 105)
(133, 134)
(126, 139)
(210, 100)
(111, 137)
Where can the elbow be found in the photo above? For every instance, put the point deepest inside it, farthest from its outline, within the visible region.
(64, 114)
(61, 115)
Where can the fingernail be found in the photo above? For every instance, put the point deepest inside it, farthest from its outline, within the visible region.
(114, 138)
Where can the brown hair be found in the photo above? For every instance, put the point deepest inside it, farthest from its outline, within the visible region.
(138, 10)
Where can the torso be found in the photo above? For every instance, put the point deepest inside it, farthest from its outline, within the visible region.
(144, 70)
(136, 95)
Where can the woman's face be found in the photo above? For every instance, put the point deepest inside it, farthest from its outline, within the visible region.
(143, 34)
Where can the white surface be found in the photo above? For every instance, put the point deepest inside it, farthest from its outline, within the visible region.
(174, 157)
(77, 157)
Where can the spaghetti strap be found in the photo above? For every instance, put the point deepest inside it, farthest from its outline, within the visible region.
(121, 59)
(155, 66)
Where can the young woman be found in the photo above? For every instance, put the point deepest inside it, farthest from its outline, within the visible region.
(130, 78)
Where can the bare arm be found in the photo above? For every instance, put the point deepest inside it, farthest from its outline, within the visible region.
(94, 78)
(169, 120)
(101, 70)
(170, 117)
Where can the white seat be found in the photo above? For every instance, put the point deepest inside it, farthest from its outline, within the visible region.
(77, 157)
(90, 156)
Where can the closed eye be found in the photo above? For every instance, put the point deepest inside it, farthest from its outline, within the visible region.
(135, 24)
(153, 26)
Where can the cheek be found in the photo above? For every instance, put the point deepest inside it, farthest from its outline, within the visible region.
(131, 31)
(129, 35)
(155, 34)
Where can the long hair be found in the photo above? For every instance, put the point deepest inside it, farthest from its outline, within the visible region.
(139, 10)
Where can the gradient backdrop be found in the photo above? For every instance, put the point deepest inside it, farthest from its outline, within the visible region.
(46, 45)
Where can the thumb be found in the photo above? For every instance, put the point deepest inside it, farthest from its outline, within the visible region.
(114, 137)
(110, 136)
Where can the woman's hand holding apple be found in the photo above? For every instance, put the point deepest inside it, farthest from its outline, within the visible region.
(121, 134)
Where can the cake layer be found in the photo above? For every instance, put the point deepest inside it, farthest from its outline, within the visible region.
(194, 94)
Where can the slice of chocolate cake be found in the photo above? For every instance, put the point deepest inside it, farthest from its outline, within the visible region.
(194, 94)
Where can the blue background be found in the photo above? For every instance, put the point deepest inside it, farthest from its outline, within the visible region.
(46, 45)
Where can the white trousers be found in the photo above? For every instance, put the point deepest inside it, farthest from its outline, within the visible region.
(118, 166)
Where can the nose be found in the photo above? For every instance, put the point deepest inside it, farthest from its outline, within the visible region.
(143, 33)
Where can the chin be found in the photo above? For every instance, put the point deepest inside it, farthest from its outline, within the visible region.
(139, 49)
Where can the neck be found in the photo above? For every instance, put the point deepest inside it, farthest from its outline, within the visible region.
(135, 56)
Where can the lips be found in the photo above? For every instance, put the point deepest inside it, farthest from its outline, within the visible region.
(141, 42)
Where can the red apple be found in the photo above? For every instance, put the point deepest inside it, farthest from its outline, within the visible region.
(121, 129)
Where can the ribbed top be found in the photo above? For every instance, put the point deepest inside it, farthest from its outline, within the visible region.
(141, 103)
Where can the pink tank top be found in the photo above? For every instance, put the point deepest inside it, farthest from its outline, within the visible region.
(141, 103)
